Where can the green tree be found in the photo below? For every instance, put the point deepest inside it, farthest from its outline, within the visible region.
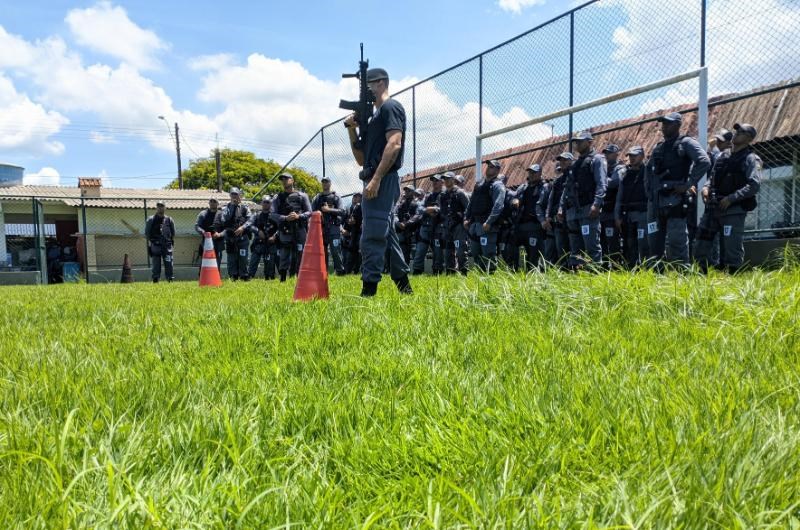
(243, 170)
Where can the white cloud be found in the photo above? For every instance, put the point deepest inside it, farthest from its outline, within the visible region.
(26, 126)
(211, 62)
(101, 138)
(47, 176)
(516, 6)
(106, 28)
(105, 180)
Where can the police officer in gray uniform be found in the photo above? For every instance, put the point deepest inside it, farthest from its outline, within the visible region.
(406, 230)
(231, 223)
(729, 195)
(552, 222)
(609, 234)
(549, 244)
(206, 221)
(483, 212)
(720, 143)
(291, 210)
(582, 201)
(528, 217)
(381, 158)
(630, 208)
(453, 203)
(675, 167)
(330, 204)
(427, 218)
(265, 240)
(160, 231)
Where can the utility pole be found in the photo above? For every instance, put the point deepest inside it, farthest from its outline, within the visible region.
(217, 159)
(178, 152)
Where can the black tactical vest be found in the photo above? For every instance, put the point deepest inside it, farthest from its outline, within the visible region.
(155, 227)
(729, 176)
(481, 201)
(406, 210)
(452, 209)
(584, 179)
(527, 202)
(331, 199)
(432, 199)
(207, 220)
(611, 194)
(237, 219)
(633, 194)
(290, 202)
(669, 158)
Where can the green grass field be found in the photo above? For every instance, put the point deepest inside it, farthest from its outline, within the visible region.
(546, 401)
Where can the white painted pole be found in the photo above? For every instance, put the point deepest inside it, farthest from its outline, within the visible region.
(702, 131)
(478, 164)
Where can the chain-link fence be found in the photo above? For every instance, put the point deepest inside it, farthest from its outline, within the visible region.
(601, 48)
(65, 239)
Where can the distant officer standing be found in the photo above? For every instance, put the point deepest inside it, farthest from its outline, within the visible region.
(231, 223)
(630, 208)
(453, 203)
(528, 231)
(676, 166)
(381, 158)
(265, 238)
(485, 207)
(609, 234)
(584, 193)
(405, 211)
(160, 231)
(549, 244)
(206, 221)
(291, 210)
(729, 195)
(427, 217)
(330, 204)
(351, 235)
(718, 145)
(552, 222)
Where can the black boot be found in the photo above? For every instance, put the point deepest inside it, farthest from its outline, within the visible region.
(283, 276)
(403, 285)
(369, 289)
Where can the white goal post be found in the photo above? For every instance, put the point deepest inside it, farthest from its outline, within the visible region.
(702, 112)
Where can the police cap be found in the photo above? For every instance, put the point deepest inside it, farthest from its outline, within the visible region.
(584, 135)
(266, 198)
(235, 191)
(745, 128)
(672, 117)
(536, 168)
(611, 148)
(493, 163)
(376, 74)
(436, 178)
(566, 155)
(160, 203)
(284, 176)
(460, 179)
(448, 175)
(724, 135)
(636, 150)
(325, 179)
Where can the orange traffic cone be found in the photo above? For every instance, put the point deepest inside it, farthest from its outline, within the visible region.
(209, 273)
(127, 275)
(312, 280)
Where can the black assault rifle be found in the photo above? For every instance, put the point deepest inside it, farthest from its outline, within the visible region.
(363, 108)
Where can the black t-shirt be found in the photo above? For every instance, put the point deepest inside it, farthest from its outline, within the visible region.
(390, 117)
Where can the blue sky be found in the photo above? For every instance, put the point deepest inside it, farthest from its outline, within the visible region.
(95, 138)
(82, 84)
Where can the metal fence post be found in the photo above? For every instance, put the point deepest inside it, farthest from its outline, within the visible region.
(571, 72)
(414, 132)
(85, 241)
(480, 94)
(322, 133)
(145, 236)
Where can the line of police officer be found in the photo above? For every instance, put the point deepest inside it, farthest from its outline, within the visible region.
(596, 209)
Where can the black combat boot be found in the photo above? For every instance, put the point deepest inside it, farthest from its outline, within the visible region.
(369, 289)
(403, 285)
(283, 276)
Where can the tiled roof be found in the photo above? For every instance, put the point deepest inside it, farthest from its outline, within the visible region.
(116, 197)
(89, 183)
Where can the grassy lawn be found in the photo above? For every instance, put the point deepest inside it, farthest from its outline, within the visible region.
(541, 401)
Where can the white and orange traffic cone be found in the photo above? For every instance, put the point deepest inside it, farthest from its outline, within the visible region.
(312, 280)
(209, 273)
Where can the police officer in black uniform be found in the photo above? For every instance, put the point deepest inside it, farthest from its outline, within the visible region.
(552, 222)
(351, 236)
(404, 213)
(427, 218)
(330, 204)
(453, 203)
(206, 222)
(291, 210)
(528, 217)
(480, 220)
(630, 208)
(729, 195)
(609, 234)
(231, 223)
(265, 240)
(160, 231)
(676, 166)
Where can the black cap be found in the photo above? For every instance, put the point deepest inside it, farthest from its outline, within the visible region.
(745, 128)
(672, 117)
(325, 179)
(493, 163)
(584, 135)
(357, 194)
(724, 135)
(376, 74)
(284, 176)
(636, 150)
(436, 178)
(566, 155)
(448, 175)
(536, 168)
(611, 148)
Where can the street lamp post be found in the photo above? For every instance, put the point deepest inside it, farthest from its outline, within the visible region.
(177, 149)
